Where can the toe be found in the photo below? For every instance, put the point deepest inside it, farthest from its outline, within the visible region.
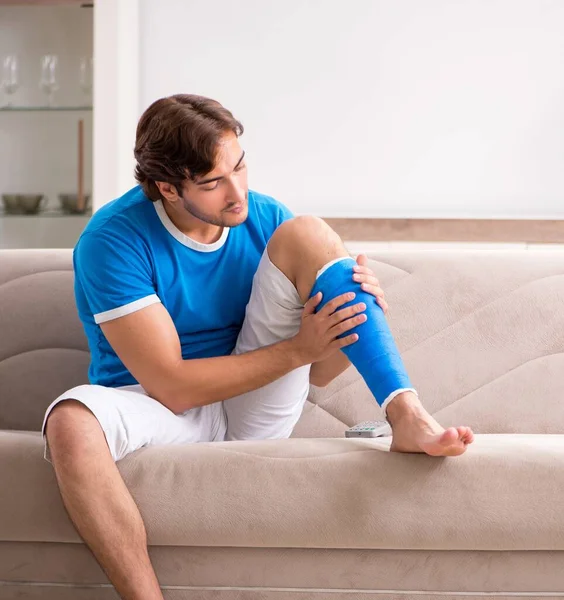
(466, 434)
(450, 436)
(469, 437)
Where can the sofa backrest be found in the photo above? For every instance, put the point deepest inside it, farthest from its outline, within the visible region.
(481, 334)
(43, 349)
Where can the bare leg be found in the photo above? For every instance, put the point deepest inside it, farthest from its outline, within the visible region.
(98, 502)
(302, 246)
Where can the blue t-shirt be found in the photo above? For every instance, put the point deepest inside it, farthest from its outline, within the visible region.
(131, 255)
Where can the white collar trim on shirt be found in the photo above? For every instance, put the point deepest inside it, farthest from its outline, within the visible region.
(184, 239)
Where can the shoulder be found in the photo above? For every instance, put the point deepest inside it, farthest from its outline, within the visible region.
(115, 228)
(268, 209)
(126, 209)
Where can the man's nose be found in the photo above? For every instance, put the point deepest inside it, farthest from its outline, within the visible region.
(236, 192)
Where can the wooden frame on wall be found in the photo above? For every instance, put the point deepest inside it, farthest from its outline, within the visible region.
(451, 230)
(44, 2)
(116, 97)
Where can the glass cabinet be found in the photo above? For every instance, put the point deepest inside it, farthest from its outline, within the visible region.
(46, 78)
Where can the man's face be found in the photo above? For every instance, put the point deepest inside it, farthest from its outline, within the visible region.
(221, 196)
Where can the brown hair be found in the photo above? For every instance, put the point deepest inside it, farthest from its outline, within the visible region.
(177, 139)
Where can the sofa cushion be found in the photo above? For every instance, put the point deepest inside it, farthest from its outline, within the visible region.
(43, 349)
(503, 494)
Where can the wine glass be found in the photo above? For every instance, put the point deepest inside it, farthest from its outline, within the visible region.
(48, 82)
(86, 74)
(10, 76)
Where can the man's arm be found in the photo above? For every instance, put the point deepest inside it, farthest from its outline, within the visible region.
(147, 343)
(322, 373)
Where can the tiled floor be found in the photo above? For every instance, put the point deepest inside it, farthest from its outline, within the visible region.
(360, 246)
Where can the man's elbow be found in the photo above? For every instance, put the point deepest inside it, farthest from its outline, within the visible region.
(176, 400)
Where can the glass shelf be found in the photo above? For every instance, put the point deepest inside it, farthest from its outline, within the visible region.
(44, 108)
(45, 213)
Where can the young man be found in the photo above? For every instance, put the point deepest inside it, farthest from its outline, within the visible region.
(208, 310)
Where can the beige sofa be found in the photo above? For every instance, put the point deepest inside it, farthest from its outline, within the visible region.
(483, 339)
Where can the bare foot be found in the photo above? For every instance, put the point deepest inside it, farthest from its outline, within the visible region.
(415, 430)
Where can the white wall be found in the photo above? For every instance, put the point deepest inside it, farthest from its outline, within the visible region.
(38, 151)
(378, 108)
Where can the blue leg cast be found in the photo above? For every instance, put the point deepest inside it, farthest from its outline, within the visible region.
(375, 354)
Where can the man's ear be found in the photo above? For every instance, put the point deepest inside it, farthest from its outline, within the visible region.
(168, 191)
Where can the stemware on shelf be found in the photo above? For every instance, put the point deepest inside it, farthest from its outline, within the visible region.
(10, 77)
(48, 81)
(86, 75)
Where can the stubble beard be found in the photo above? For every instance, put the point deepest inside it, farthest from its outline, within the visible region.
(218, 221)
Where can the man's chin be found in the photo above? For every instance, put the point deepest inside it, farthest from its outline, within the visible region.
(231, 219)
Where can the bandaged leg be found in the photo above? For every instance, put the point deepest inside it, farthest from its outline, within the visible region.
(375, 354)
(300, 249)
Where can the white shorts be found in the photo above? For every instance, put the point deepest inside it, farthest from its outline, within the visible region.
(131, 419)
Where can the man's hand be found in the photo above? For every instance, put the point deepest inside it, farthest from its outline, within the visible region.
(365, 276)
(318, 337)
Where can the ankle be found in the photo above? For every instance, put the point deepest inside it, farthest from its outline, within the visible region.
(403, 405)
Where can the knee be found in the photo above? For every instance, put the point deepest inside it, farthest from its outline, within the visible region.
(305, 223)
(67, 423)
(302, 227)
(302, 236)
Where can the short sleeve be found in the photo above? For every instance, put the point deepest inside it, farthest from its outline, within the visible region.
(284, 213)
(113, 275)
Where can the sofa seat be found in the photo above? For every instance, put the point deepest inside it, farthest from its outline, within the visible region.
(504, 494)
